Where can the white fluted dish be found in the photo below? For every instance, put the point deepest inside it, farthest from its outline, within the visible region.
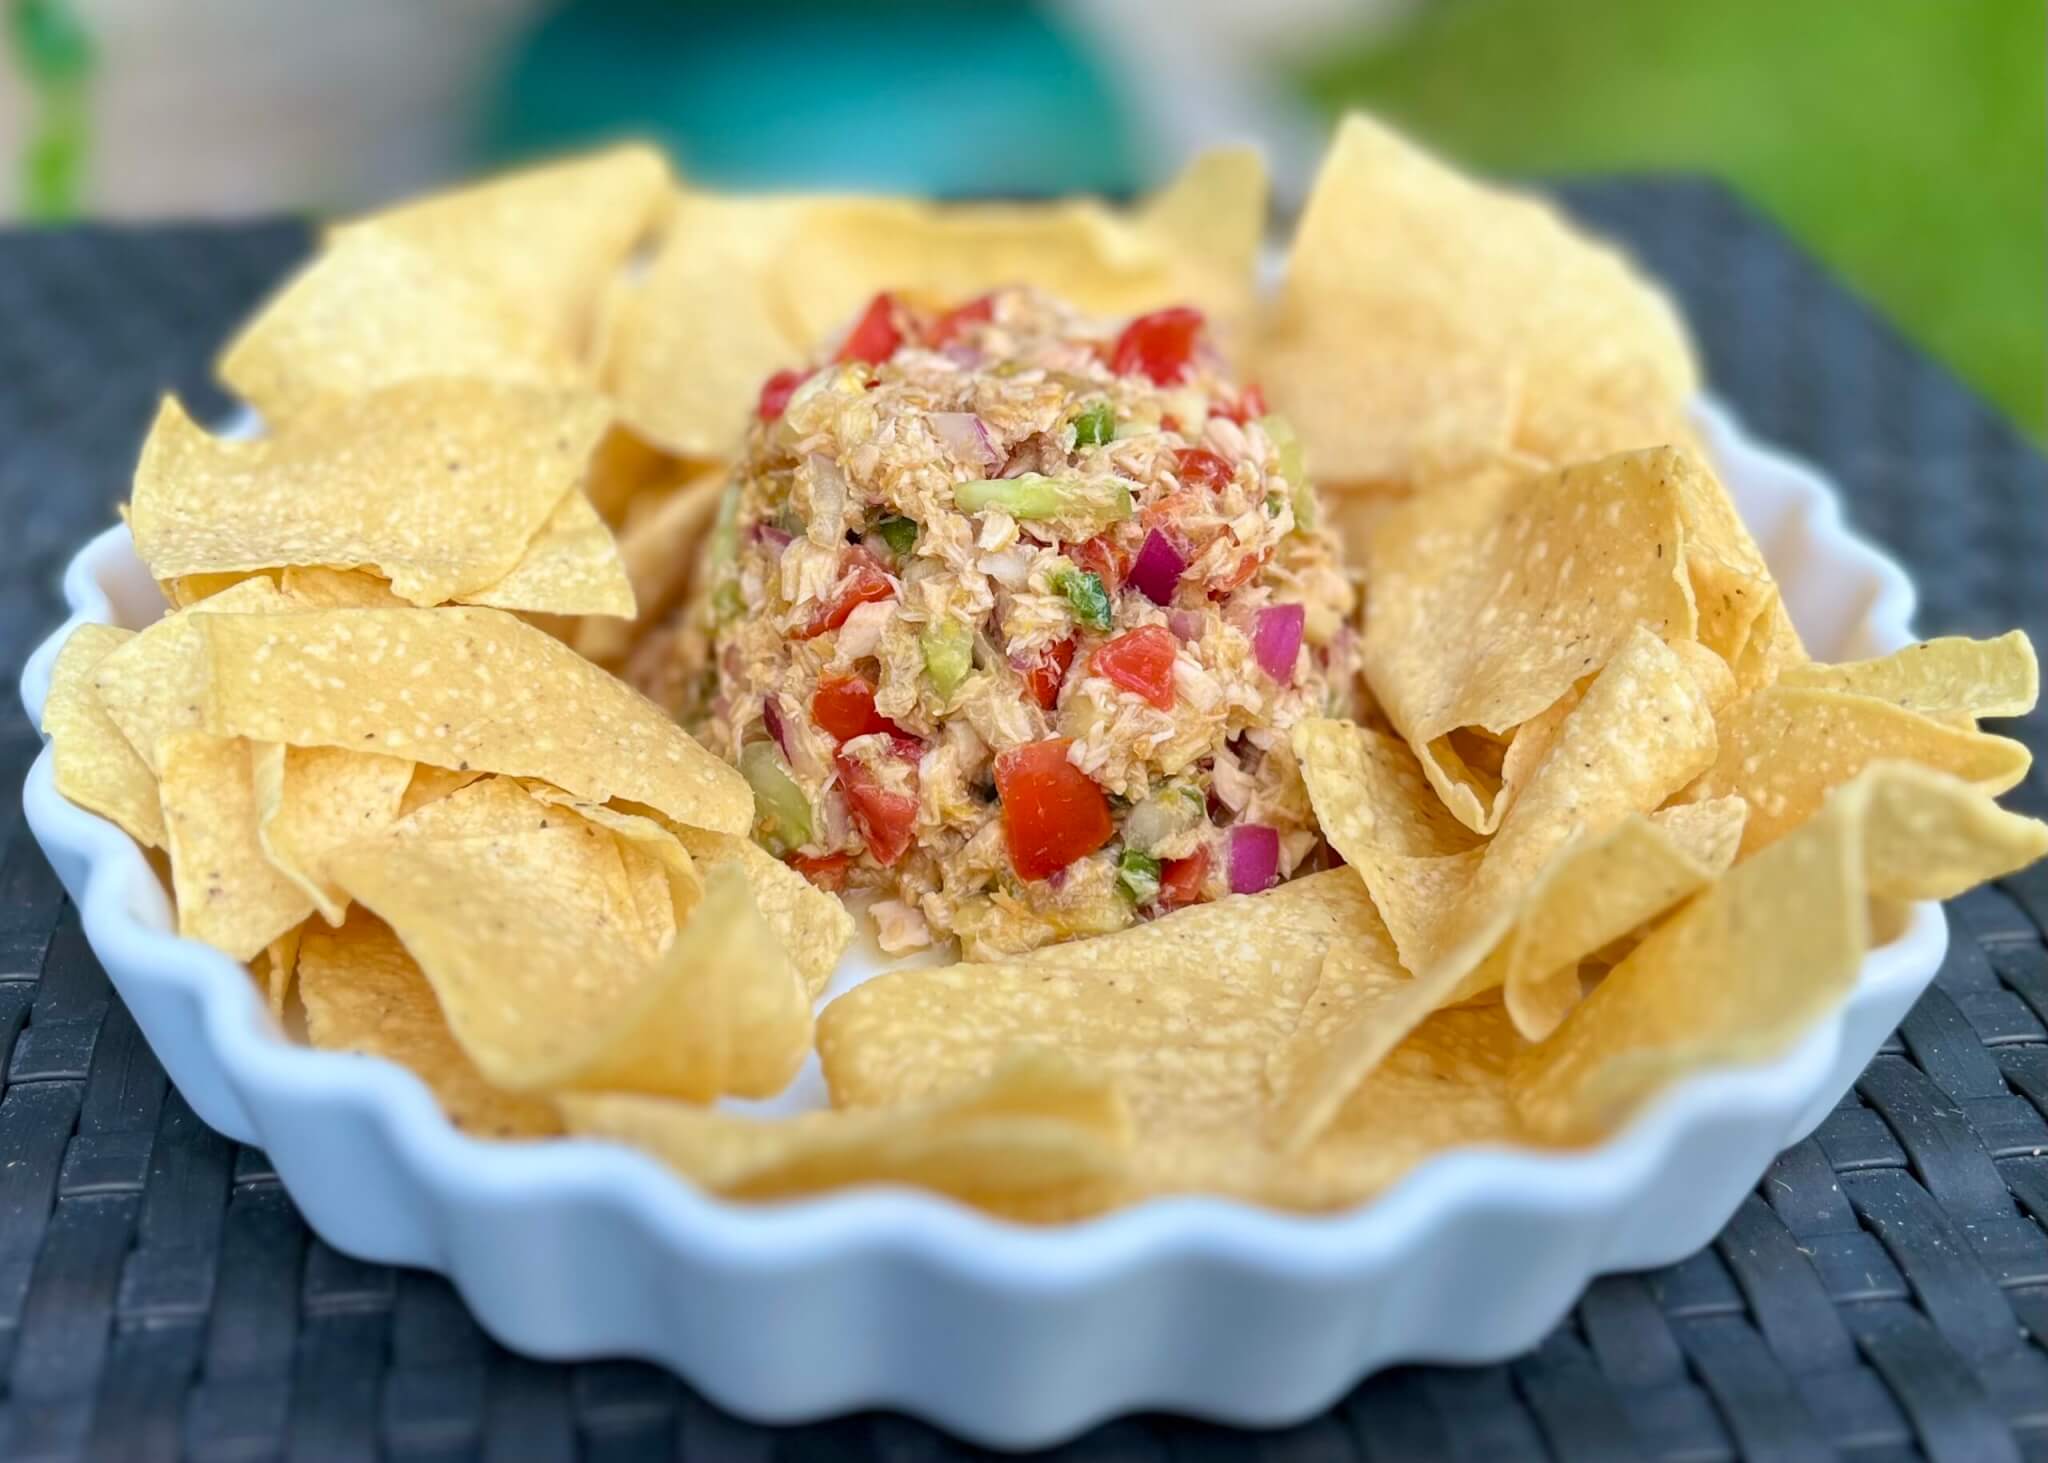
(888, 1298)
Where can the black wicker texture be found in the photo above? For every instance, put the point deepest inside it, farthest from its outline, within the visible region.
(1882, 1295)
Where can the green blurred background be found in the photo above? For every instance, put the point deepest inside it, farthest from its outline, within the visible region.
(1903, 141)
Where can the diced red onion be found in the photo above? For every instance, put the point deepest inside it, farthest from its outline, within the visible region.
(767, 533)
(777, 727)
(1276, 637)
(1157, 569)
(1185, 624)
(964, 432)
(961, 354)
(1253, 852)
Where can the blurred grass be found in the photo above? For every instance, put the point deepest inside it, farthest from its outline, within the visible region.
(1901, 140)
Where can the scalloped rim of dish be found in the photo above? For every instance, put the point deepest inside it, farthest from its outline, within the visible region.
(996, 1259)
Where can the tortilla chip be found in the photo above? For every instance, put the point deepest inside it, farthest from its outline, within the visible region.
(462, 688)
(439, 486)
(540, 960)
(659, 549)
(315, 587)
(184, 590)
(279, 969)
(1488, 607)
(1742, 618)
(312, 800)
(363, 993)
(572, 567)
(542, 242)
(1181, 1011)
(155, 684)
(1952, 676)
(95, 765)
(371, 311)
(1428, 321)
(1785, 747)
(814, 927)
(741, 287)
(1038, 1125)
(627, 469)
(228, 892)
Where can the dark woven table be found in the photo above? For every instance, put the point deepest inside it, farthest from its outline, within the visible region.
(1883, 1294)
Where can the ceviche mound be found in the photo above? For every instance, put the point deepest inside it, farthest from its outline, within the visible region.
(1011, 613)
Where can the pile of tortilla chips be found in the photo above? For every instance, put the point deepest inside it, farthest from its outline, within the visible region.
(1604, 823)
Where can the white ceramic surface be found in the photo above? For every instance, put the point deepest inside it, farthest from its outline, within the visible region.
(886, 1298)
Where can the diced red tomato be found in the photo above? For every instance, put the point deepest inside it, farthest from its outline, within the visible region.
(1160, 346)
(884, 817)
(1247, 570)
(1053, 813)
(1140, 661)
(845, 707)
(776, 392)
(1201, 468)
(861, 581)
(1045, 675)
(1180, 879)
(1250, 404)
(827, 871)
(1107, 559)
(953, 324)
(874, 336)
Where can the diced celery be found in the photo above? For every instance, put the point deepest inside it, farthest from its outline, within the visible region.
(948, 654)
(1094, 424)
(782, 814)
(1281, 431)
(1137, 876)
(900, 534)
(1092, 500)
(725, 532)
(1085, 596)
(727, 601)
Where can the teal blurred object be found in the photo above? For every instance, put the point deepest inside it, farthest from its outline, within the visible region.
(957, 99)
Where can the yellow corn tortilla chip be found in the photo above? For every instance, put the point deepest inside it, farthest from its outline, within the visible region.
(183, 590)
(438, 485)
(741, 287)
(1953, 675)
(659, 550)
(1038, 1125)
(155, 684)
(430, 784)
(1640, 731)
(1181, 1011)
(1742, 619)
(541, 966)
(1427, 321)
(1785, 747)
(1737, 974)
(228, 892)
(363, 993)
(279, 967)
(626, 469)
(372, 310)
(320, 588)
(542, 242)
(572, 567)
(312, 800)
(1488, 607)
(814, 927)
(464, 688)
(96, 766)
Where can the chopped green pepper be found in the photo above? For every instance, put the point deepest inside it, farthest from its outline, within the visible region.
(1093, 500)
(1094, 424)
(948, 654)
(1085, 596)
(782, 814)
(900, 534)
(1281, 431)
(1137, 876)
